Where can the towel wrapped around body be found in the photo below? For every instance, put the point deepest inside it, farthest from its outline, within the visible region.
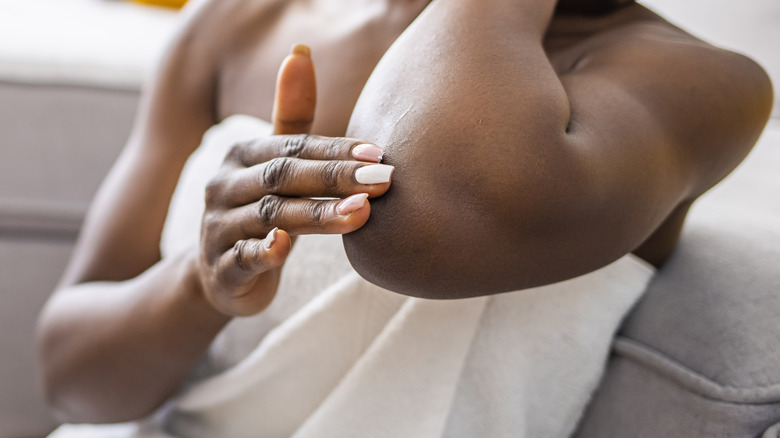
(336, 356)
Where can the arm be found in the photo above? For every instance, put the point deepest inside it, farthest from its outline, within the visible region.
(510, 175)
(115, 344)
(99, 335)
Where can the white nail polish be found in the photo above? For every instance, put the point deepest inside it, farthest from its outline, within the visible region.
(374, 174)
(270, 239)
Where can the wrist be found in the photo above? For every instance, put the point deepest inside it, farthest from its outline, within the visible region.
(194, 292)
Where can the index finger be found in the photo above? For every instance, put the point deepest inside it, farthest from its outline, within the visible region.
(309, 147)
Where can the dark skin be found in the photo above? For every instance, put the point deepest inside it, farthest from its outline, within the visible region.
(528, 149)
(620, 132)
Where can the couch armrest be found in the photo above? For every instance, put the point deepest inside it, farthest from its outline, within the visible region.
(700, 353)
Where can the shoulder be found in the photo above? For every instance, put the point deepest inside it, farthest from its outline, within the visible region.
(180, 99)
(212, 28)
(649, 48)
(222, 21)
(707, 103)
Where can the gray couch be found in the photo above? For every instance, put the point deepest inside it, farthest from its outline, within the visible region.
(699, 356)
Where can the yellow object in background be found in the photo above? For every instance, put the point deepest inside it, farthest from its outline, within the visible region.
(169, 3)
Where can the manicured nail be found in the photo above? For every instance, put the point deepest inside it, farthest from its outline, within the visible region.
(368, 152)
(374, 174)
(270, 239)
(351, 204)
(301, 49)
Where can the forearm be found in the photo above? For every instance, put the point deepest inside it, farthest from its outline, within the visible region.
(116, 351)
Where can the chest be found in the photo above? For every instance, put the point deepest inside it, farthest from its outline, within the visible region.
(346, 44)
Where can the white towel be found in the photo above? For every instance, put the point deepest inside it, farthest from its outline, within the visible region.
(336, 356)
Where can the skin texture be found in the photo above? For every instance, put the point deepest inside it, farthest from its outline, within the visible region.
(528, 149)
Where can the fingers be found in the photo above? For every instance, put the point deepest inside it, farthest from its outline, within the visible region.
(310, 147)
(297, 216)
(294, 177)
(249, 257)
(243, 264)
(296, 93)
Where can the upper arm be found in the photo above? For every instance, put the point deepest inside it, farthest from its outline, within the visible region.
(120, 236)
(509, 176)
(473, 118)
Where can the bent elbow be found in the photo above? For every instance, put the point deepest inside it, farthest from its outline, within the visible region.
(69, 406)
(466, 224)
(72, 390)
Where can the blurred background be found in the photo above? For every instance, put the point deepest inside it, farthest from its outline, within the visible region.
(70, 75)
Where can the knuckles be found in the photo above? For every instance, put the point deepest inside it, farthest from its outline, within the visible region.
(275, 173)
(305, 145)
(214, 239)
(240, 252)
(317, 213)
(294, 145)
(210, 225)
(337, 147)
(251, 152)
(237, 153)
(215, 189)
(268, 209)
(331, 174)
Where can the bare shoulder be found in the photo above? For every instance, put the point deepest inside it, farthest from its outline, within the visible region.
(688, 110)
(222, 20)
(211, 28)
(710, 103)
(181, 99)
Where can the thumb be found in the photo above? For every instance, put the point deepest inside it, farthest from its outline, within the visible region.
(296, 93)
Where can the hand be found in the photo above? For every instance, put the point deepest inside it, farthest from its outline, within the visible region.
(263, 194)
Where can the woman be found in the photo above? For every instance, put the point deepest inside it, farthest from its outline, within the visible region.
(529, 147)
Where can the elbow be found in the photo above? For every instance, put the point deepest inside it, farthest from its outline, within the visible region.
(67, 404)
(67, 400)
(73, 391)
(52, 386)
(53, 381)
(63, 414)
(464, 247)
(457, 227)
(65, 407)
(761, 95)
(751, 102)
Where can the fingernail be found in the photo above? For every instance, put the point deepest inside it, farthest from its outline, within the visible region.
(270, 239)
(374, 174)
(351, 204)
(301, 49)
(368, 152)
